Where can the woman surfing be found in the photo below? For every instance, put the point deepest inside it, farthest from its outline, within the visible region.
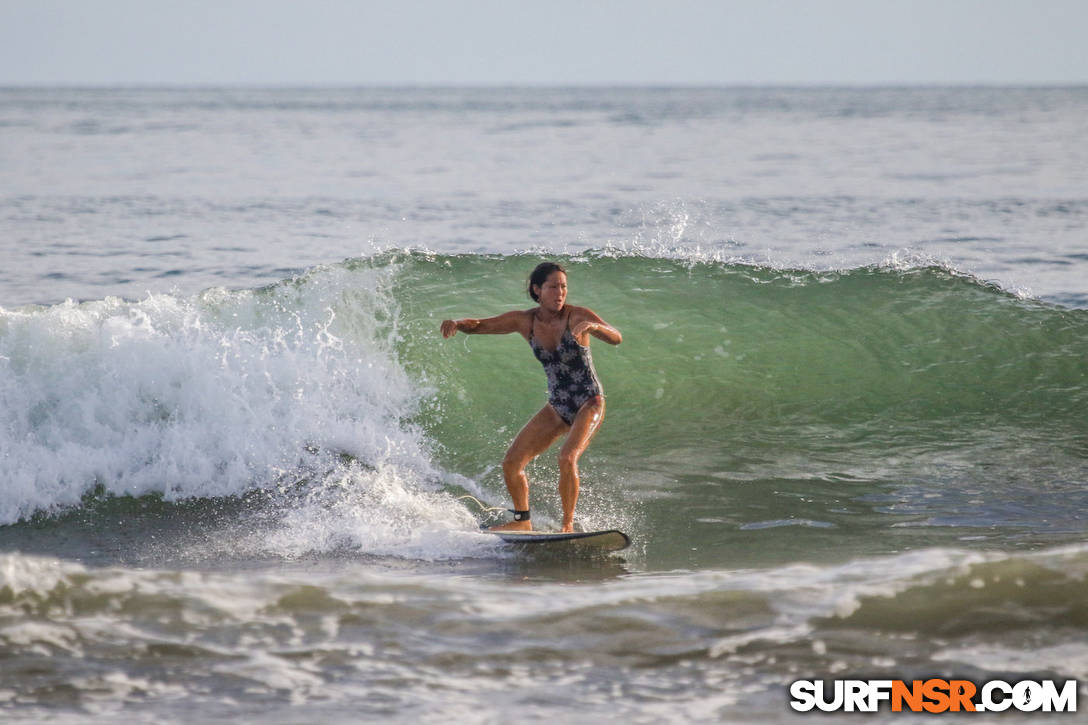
(559, 336)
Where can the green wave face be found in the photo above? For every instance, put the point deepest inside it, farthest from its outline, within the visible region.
(711, 347)
(745, 394)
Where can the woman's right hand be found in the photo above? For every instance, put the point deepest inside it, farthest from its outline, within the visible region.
(449, 328)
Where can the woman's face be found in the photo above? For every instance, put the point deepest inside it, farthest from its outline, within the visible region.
(553, 293)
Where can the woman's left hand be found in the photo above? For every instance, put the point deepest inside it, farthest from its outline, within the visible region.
(583, 327)
(597, 327)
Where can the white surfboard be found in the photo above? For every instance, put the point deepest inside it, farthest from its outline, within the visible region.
(609, 540)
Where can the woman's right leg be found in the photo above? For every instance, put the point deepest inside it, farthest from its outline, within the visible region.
(538, 435)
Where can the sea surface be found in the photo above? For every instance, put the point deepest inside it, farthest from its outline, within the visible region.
(242, 475)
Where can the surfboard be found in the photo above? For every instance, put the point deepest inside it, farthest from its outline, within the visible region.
(609, 540)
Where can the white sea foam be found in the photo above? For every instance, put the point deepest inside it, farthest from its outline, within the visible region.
(220, 393)
(1070, 658)
(383, 512)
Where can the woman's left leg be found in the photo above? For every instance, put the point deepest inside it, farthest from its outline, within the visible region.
(581, 433)
(538, 435)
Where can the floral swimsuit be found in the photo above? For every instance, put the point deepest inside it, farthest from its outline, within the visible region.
(571, 377)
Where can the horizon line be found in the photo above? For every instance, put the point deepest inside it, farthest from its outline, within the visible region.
(529, 85)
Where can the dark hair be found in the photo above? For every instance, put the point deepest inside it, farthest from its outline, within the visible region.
(540, 276)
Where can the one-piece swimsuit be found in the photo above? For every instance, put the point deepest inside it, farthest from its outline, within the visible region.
(571, 377)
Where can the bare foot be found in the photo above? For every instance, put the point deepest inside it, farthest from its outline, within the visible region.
(567, 529)
(513, 526)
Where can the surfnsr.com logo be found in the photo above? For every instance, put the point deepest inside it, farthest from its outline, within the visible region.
(933, 696)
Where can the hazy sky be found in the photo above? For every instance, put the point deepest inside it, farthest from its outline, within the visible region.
(542, 42)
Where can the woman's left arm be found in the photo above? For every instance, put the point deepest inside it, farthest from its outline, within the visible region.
(594, 325)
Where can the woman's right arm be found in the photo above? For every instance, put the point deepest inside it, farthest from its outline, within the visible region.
(500, 325)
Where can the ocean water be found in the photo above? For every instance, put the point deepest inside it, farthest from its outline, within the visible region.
(239, 468)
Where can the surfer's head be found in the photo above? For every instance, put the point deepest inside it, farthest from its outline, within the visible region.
(541, 276)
